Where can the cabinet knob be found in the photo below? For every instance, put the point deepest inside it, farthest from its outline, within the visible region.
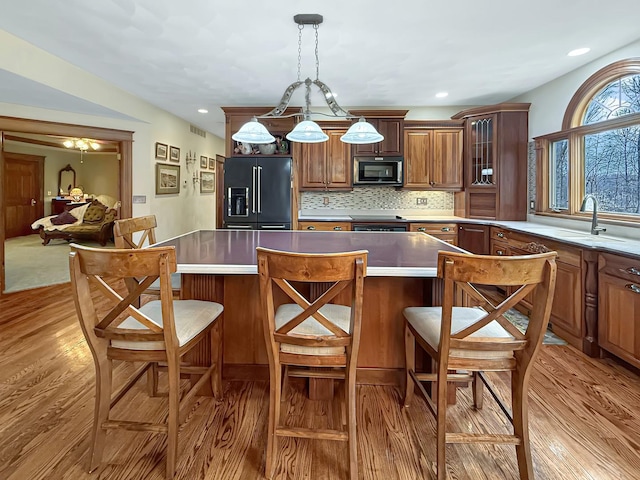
(337, 228)
(500, 252)
(500, 235)
(311, 227)
(422, 229)
(446, 229)
(633, 287)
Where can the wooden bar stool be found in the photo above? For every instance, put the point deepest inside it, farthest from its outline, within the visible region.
(479, 338)
(124, 231)
(317, 334)
(160, 331)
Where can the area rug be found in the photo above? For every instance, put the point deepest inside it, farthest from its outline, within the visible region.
(521, 321)
(29, 264)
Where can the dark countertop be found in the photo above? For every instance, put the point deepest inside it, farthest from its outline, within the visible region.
(228, 252)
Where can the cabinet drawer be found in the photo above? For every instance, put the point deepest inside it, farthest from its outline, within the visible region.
(325, 226)
(500, 249)
(447, 232)
(622, 267)
(523, 243)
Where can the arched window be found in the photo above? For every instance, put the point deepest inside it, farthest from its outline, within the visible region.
(598, 150)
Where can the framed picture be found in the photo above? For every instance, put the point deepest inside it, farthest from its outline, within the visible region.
(203, 161)
(207, 182)
(167, 178)
(174, 154)
(161, 151)
(212, 163)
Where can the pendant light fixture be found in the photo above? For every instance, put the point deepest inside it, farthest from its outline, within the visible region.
(307, 131)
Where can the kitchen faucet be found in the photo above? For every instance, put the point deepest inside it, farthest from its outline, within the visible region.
(595, 229)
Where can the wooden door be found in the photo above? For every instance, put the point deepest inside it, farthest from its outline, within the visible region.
(23, 192)
(474, 238)
(338, 158)
(417, 157)
(446, 163)
(391, 129)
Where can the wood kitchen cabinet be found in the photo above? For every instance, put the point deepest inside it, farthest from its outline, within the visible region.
(326, 165)
(495, 161)
(474, 238)
(447, 232)
(390, 124)
(619, 306)
(433, 158)
(567, 309)
(325, 226)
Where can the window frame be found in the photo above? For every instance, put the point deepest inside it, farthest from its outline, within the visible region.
(574, 132)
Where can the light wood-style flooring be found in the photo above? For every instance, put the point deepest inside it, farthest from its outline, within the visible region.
(585, 418)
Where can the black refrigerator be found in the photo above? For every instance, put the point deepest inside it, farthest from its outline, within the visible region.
(257, 193)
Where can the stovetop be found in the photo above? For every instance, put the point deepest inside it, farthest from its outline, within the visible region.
(376, 218)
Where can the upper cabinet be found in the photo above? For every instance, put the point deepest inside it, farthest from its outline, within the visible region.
(235, 117)
(433, 156)
(390, 123)
(326, 165)
(495, 161)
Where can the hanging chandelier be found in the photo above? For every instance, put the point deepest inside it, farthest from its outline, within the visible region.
(82, 144)
(308, 131)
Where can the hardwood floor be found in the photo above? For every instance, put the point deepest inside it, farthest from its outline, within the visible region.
(584, 420)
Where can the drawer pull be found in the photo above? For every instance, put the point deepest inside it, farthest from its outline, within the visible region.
(337, 228)
(633, 287)
(445, 229)
(422, 229)
(500, 252)
(311, 227)
(500, 235)
(631, 270)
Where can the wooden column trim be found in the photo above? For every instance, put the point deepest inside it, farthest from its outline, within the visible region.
(590, 281)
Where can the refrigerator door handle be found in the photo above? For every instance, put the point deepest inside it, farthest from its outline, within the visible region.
(253, 190)
(259, 189)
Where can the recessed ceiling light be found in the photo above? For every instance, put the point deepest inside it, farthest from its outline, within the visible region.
(203, 110)
(578, 51)
(442, 94)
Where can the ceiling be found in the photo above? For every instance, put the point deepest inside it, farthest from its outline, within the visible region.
(192, 54)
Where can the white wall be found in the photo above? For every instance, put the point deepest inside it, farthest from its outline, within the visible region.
(549, 102)
(183, 212)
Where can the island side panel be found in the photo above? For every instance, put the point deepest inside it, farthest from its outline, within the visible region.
(381, 357)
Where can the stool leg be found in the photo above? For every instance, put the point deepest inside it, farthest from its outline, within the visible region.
(173, 367)
(520, 407)
(102, 405)
(350, 401)
(275, 393)
(410, 363)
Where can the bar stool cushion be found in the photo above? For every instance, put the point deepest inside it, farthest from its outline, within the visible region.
(191, 318)
(340, 315)
(427, 320)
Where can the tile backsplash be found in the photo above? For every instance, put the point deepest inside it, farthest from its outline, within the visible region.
(376, 198)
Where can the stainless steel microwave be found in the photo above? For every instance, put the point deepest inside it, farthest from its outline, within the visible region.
(378, 171)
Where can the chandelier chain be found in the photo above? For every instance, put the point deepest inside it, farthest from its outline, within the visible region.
(300, 28)
(315, 27)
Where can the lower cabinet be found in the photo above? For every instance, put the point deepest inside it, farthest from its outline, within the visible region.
(474, 238)
(567, 310)
(619, 306)
(325, 226)
(447, 232)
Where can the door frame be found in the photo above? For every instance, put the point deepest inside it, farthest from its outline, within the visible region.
(123, 138)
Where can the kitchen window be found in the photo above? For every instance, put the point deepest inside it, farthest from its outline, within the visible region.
(598, 150)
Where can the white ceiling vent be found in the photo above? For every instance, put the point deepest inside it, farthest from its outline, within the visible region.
(198, 131)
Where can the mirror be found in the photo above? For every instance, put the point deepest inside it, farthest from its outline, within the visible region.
(66, 179)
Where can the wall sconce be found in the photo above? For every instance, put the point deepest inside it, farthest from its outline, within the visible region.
(191, 158)
(195, 178)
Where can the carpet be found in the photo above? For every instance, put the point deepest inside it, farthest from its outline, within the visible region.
(29, 264)
(521, 321)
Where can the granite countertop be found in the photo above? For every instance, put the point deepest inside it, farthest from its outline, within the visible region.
(581, 238)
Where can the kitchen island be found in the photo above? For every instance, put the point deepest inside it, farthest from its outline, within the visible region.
(220, 265)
